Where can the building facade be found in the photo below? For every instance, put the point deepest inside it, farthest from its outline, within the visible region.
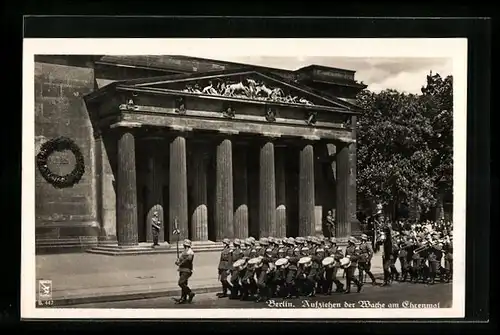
(218, 149)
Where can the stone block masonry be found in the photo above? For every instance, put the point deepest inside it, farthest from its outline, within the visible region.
(69, 213)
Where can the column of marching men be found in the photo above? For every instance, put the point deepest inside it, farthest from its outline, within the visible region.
(424, 252)
(251, 269)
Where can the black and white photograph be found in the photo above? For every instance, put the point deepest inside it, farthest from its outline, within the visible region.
(266, 178)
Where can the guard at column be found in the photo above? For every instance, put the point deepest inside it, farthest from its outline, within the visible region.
(155, 228)
(330, 224)
(225, 264)
(185, 264)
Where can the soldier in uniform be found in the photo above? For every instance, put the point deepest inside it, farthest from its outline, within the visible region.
(293, 256)
(448, 257)
(404, 251)
(248, 283)
(155, 228)
(320, 270)
(225, 265)
(305, 281)
(394, 257)
(387, 254)
(248, 248)
(353, 253)
(261, 272)
(365, 260)
(434, 256)
(417, 264)
(185, 264)
(331, 273)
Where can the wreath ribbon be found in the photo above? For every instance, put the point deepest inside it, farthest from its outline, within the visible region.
(57, 145)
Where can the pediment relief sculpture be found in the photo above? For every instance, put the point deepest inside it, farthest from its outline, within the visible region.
(247, 89)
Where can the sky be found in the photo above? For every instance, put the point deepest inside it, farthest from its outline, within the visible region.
(403, 74)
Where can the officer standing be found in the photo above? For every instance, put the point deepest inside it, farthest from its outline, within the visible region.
(364, 264)
(185, 264)
(353, 253)
(225, 265)
(155, 228)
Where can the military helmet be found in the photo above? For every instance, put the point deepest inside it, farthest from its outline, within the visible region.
(187, 243)
(226, 241)
(237, 241)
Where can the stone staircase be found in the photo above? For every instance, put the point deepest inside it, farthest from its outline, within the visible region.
(145, 248)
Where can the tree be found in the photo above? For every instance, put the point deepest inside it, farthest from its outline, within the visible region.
(405, 145)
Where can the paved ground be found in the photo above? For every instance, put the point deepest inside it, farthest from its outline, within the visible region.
(90, 275)
(398, 293)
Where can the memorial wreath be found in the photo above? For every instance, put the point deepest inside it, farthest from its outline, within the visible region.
(56, 145)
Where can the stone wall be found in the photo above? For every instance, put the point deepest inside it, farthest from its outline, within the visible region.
(65, 215)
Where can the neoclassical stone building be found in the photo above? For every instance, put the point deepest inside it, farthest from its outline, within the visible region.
(218, 149)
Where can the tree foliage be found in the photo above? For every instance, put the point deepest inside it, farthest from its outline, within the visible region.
(405, 144)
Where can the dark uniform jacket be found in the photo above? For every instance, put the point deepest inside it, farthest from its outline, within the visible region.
(186, 261)
(226, 261)
(366, 251)
(354, 254)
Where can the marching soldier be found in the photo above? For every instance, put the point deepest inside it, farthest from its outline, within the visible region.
(293, 256)
(305, 279)
(248, 248)
(280, 274)
(387, 253)
(225, 265)
(155, 228)
(404, 252)
(320, 271)
(248, 284)
(261, 271)
(185, 264)
(448, 257)
(435, 255)
(331, 272)
(239, 273)
(353, 253)
(364, 264)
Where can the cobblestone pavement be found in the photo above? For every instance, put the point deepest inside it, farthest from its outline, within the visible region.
(402, 294)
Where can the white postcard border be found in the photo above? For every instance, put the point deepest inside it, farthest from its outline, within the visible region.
(455, 48)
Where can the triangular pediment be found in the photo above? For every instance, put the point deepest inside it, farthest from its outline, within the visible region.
(240, 84)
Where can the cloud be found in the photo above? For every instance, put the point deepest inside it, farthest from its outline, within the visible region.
(402, 74)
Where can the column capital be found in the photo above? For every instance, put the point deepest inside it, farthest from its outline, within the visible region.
(311, 137)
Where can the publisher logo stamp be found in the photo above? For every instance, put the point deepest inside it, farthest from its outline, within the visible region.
(45, 289)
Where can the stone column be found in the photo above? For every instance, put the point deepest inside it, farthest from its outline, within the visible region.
(306, 190)
(342, 213)
(178, 193)
(126, 193)
(281, 220)
(240, 193)
(154, 198)
(267, 191)
(224, 190)
(199, 216)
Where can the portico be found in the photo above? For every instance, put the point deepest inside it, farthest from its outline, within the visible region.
(226, 154)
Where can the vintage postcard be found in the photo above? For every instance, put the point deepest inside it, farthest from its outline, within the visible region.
(277, 178)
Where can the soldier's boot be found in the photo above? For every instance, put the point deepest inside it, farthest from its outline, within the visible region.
(234, 293)
(340, 286)
(359, 285)
(361, 277)
(190, 297)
